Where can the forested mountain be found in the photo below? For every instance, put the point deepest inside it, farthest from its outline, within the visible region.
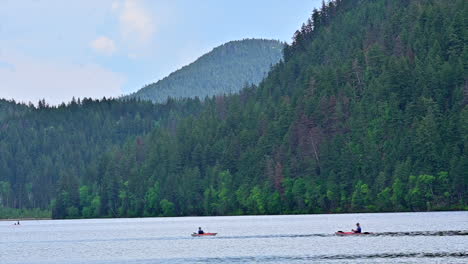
(11, 109)
(224, 70)
(44, 146)
(366, 112)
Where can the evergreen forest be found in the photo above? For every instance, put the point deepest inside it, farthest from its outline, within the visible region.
(365, 112)
(224, 70)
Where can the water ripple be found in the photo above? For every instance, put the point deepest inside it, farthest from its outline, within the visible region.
(393, 234)
(308, 258)
(412, 233)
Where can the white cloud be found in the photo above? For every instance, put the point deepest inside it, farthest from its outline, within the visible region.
(31, 79)
(115, 5)
(104, 45)
(135, 22)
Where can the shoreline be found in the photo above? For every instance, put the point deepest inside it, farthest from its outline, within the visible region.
(22, 219)
(246, 215)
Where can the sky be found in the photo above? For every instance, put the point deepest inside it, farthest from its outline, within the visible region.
(56, 50)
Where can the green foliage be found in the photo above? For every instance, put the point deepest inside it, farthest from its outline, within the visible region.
(224, 70)
(13, 213)
(50, 152)
(361, 197)
(167, 208)
(367, 112)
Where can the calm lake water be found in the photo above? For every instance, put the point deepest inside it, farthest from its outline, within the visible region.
(436, 237)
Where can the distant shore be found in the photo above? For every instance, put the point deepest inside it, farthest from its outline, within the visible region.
(24, 219)
(247, 215)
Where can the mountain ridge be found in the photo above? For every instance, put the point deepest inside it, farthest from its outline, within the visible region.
(225, 69)
(365, 113)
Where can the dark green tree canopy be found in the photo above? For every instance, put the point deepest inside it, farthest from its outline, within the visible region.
(366, 112)
(224, 70)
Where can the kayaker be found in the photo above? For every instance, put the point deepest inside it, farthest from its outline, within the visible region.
(358, 228)
(200, 231)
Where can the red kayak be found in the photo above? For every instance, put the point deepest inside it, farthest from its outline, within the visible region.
(341, 233)
(205, 234)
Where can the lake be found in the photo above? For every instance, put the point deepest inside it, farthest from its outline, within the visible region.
(433, 237)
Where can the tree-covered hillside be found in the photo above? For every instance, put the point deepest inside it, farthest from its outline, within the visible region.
(42, 146)
(368, 112)
(224, 70)
(11, 109)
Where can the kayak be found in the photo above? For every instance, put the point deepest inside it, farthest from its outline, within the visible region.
(341, 233)
(205, 234)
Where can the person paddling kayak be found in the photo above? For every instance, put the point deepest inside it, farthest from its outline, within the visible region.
(358, 228)
(200, 231)
(357, 232)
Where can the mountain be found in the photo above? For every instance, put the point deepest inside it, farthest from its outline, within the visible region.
(42, 147)
(366, 112)
(9, 109)
(224, 70)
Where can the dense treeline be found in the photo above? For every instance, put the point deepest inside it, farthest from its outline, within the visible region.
(13, 213)
(367, 112)
(224, 70)
(11, 109)
(41, 146)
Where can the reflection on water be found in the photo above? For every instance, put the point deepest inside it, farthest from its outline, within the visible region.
(440, 237)
(404, 257)
(459, 255)
(423, 233)
(414, 233)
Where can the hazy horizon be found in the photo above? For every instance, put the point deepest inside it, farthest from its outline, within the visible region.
(54, 50)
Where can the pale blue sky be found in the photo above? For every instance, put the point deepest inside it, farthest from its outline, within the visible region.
(57, 49)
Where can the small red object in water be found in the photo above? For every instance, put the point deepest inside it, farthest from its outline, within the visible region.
(205, 234)
(341, 233)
